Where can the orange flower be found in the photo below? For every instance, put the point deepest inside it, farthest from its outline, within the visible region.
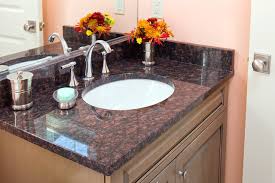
(95, 23)
(153, 30)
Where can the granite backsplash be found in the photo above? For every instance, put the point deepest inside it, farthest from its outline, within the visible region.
(215, 58)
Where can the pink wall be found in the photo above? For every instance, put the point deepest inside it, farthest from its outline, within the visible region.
(68, 12)
(222, 23)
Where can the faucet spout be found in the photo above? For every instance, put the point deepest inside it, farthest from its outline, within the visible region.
(88, 60)
(64, 44)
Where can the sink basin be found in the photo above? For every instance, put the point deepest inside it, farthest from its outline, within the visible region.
(129, 94)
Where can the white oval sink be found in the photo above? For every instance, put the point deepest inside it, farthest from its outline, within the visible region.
(128, 94)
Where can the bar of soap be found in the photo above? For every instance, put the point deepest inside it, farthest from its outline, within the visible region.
(65, 94)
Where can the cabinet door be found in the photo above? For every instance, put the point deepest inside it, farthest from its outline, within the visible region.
(168, 175)
(200, 163)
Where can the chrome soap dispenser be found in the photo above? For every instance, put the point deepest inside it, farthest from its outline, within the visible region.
(21, 90)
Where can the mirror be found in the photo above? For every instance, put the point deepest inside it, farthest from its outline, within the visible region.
(27, 25)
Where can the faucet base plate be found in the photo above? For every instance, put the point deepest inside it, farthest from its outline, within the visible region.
(88, 78)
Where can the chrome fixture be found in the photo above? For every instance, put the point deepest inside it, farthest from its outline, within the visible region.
(183, 174)
(89, 67)
(105, 69)
(21, 90)
(73, 81)
(64, 44)
(261, 63)
(30, 26)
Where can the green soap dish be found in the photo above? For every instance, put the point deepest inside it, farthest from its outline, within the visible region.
(66, 97)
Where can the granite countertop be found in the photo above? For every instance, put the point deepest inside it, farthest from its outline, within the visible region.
(105, 140)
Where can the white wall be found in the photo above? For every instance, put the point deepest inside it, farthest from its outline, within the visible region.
(259, 161)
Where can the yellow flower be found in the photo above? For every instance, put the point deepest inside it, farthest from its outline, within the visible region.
(101, 29)
(89, 33)
(139, 40)
(109, 20)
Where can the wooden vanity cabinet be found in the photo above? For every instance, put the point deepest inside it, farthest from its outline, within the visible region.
(190, 152)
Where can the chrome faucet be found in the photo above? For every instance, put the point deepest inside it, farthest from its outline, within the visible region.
(64, 44)
(89, 67)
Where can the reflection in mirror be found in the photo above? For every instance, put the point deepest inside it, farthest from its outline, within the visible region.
(15, 65)
(25, 30)
(125, 18)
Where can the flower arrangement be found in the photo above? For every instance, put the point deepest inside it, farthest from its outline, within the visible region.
(152, 30)
(94, 23)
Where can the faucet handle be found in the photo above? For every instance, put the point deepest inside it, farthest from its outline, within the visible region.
(105, 69)
(69, 65)
(73, 81)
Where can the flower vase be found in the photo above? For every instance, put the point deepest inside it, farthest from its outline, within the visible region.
(93, 38)
(148, 54)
